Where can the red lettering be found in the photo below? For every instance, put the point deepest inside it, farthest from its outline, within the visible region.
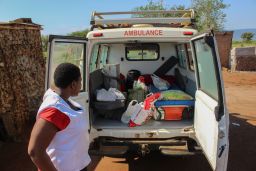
(160, 32)
(130, 33)
(150, 32)
(143, 33)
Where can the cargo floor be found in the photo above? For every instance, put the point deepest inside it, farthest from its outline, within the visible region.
(102, 123)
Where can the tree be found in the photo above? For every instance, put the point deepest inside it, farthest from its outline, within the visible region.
(247, 36)
(81, 33)
(209, 14)
(150, 6)
(157, 5)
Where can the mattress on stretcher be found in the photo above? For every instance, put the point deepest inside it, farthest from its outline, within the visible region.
(160, 103)
(174, 97)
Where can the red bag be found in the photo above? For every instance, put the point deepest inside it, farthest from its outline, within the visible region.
(150, 99)
(148, 80)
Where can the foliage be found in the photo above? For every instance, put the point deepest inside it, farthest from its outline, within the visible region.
(150, 6)
(243, 44)
(209, 14)
(157, 5)
(44, 39)
(81, 33)
(247, 36)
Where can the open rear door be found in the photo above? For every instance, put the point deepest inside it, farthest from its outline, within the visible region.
(211, 119)
(73, 50)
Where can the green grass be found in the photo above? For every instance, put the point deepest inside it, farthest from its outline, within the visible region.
(243, 44)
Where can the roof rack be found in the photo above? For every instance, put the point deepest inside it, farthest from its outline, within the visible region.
(185, 18)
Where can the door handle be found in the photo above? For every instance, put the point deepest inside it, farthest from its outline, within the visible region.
(222, 148)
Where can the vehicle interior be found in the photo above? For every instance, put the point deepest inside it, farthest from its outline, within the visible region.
(120, 65)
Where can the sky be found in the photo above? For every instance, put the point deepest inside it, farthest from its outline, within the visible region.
(65, 16)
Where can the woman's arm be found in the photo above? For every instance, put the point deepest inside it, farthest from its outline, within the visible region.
(41, 136)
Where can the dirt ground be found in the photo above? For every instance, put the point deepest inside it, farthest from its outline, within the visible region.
(240, 90)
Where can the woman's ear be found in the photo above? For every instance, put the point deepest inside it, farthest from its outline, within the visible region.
(73, 85)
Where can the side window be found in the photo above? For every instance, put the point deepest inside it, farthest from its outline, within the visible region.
(142, 52)
(189, 57)
(182, 55)
(67, 52)
(103, 55)
(206, 68)
(93, 61)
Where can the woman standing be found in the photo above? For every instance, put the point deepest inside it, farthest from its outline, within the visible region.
(59, 139)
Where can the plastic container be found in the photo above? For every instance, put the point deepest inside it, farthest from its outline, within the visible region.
(173, 113)
(133, 107)
(169, 113)
(139, 118)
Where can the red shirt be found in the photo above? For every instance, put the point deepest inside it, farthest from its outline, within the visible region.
(56, 117)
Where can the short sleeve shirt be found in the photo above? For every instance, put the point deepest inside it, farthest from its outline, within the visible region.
(56, 117)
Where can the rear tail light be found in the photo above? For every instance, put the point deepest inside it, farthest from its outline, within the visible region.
(188, 33)
(97, 34)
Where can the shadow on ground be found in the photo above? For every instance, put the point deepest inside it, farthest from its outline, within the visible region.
(242, 137)
(157, 161)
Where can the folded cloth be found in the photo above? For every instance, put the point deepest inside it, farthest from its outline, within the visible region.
(111, 95)
(104, 95)
(119, 95)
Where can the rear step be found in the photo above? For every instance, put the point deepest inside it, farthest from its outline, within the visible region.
(119, 148)
(178, 150)
(110, 151)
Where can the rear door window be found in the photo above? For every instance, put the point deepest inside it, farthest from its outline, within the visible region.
(65, 51)
(206, 68)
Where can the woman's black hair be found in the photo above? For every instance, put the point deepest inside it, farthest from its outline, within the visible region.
(65, 74)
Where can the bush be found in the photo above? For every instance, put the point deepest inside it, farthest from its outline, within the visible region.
(247, 36)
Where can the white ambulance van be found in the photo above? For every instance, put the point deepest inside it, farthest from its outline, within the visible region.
(145, 46)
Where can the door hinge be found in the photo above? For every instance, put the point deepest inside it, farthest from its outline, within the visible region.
(217, 113)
